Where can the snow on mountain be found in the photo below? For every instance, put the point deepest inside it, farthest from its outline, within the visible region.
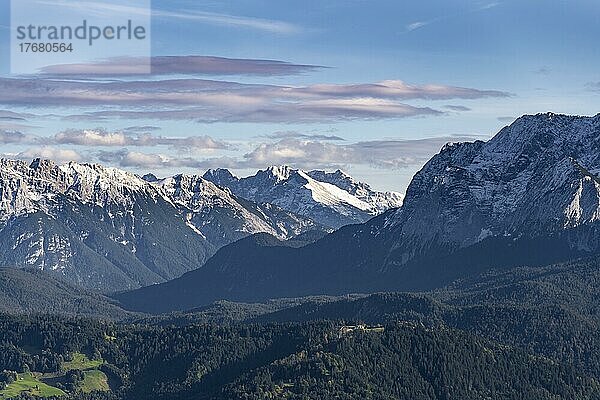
(527, 197)
(334, 199)
(533, 178)
(377, 202)
(110, 229)
(217, 214)
(96, 226)
(32, 187)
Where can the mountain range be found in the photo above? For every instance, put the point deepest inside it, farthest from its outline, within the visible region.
(529, 196)
(334, 199)
(111, 230)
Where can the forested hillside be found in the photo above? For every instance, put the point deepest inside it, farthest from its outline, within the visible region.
(33, 291)
(527, 333)
(312, 360)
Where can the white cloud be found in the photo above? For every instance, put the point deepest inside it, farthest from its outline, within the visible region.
(300, 135)
(101, 137)
(220, 101)
(416, 25)
(185, 65)
(387, 154)
(489, 6)
(88, 137)
(134, 159)
(10, 136)
(52, 153)
(481, 7)
(108, 9)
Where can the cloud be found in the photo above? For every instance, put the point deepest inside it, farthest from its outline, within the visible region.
(399, 90)
(221, 101)
(299, 135)
(457, 108)
(542, 71)
(142, 128)
(417, 25)
(126, 158)
(387, 154)
(88, 137)
(420, 24)
(8, 137)
(101, 137)
(488, 6)
(184, 65)
(108, 9)
(298, 153)
(593, 86)
(12, 127)
(133, 159)
(506, 119)
(289, 113)
(48, 152)
(390, 154)
(6, 115)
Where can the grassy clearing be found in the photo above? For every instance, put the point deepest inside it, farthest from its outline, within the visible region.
(94, 380)
(28, 382)
(82, 362)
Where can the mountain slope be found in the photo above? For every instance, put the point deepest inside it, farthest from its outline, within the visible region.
(33, 291)
(333, 199)
(223, 218)
(95, 226)
(523, 198)
(531, 179)
(260, 268)
(108, 229)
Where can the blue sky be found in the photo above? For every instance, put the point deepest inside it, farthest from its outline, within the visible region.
(372, 87)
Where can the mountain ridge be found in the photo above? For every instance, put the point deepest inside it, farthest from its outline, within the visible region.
(334, 199)
(109, 229)
(454, 222)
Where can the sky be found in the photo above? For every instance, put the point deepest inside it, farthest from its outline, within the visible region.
(374, 88)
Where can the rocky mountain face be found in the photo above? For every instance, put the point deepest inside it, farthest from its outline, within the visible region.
(223, 218)
(529, 196)
(98, 227)
(535, 177)
(108, 229)
(333, 199)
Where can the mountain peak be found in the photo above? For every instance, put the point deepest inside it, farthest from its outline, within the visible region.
(101, 226)
(341, 173)
(332, 198)
(220, 176)
(280, 173)
(39, 163)
(531, 135)
(552, 118)
(150, 178)
(534, 177)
